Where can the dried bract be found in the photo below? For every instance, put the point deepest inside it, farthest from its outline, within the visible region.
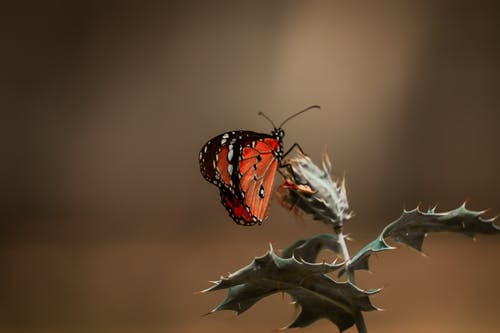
(311, 191)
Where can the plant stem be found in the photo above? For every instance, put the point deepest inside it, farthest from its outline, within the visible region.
(358, 317)
(345, 254)
(360, 322)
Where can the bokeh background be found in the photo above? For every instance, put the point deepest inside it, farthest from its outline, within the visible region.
(107, 225)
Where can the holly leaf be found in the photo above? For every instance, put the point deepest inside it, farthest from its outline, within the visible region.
(318, 295)
(412, 227)
(309, 248)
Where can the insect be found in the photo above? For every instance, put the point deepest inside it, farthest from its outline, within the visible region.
(242, 164)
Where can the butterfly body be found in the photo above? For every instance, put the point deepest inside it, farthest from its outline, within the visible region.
(242, 164)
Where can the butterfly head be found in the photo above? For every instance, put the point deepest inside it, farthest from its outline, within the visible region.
(278, 133)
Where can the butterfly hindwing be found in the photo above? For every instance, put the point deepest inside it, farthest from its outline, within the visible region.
(235, 208)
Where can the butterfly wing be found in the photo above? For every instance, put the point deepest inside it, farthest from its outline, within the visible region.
(256, 170)
(218, 157)
(242, 164)
(236, 208)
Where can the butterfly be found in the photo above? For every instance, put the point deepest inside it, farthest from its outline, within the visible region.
(242, 164)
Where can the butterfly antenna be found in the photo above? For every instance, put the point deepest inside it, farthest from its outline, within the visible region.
(269, 119)
(301, 111)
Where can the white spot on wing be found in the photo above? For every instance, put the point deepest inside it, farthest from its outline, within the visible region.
(261, 191)
(230, 169)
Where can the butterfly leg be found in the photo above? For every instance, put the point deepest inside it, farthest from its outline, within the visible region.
(295, 145)
(288, 165)
(289, 168)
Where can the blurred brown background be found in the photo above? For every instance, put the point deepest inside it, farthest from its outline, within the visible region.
(107, 225)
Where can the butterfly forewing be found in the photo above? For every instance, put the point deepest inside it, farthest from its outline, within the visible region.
(257, 169)
(217, 155)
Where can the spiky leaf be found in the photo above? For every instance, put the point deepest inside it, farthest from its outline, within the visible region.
(412, 227)
(318, 295)
(309, 248)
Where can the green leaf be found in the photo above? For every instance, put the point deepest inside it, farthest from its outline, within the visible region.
(412, 227)
(318, 295)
